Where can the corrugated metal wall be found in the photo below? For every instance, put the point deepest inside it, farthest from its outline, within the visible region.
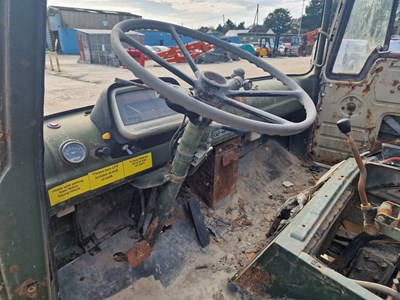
(88, 20)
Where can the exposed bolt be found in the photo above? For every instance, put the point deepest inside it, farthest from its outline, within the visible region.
(351, 106)
(392, 91)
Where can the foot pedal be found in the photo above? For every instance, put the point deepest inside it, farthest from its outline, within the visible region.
(198, 221)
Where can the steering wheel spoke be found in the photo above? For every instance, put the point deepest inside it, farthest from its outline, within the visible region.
(127, 39)
(211, 89)
(271, 118)
(184, 50)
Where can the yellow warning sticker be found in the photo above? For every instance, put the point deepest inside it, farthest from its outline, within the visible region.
(68, 190)
(138, 164)
(107, 175)
(99, 178)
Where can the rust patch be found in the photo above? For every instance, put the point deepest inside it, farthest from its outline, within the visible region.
(375, 146)
(367, 89)
(173, 217)
(376, 70)
(14, 269)
(29, 288)
(369, 114)
(151, 230)
(139, 253)
(255, 280)
(217, 176)
(346, 85)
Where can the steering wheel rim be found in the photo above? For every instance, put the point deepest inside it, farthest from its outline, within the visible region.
(212, 90)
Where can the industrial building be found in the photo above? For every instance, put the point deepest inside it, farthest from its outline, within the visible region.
(63, 23)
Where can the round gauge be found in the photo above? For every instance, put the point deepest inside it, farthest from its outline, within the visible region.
(73, 152)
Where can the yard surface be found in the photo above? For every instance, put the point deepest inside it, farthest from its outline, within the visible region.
(79, 85)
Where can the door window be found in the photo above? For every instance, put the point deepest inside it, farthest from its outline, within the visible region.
(366, 30)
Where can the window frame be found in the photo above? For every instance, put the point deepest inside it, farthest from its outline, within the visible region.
(337, 34)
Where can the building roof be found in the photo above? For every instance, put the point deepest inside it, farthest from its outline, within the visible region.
(105, 31)
(235, 32)
(93, 11)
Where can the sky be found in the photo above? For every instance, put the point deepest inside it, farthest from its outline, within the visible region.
(191, 13)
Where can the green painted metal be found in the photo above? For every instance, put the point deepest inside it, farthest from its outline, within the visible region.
(23, 255)
(279, 274)
(288, 261)
(188, 146)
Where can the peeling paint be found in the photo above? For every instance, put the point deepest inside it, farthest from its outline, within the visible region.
(255, 279)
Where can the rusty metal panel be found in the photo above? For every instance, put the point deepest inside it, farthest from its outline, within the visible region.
(364, 102)
(217, 177)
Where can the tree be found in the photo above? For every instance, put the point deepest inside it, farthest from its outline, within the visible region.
(204, 29)
(279, 20)
(313, 15)
(241, 25)
(229, 25)
(219, 28)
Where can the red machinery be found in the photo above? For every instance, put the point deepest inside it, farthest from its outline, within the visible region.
(308, 41)
(136, 55)
(174, 54)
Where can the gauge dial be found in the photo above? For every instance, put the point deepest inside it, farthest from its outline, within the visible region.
(73, 152)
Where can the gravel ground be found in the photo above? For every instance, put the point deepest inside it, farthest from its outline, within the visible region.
(79, 84)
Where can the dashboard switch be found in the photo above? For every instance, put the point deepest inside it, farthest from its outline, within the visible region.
(126, 148)
(103, 151)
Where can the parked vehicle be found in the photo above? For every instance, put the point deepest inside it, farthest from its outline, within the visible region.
(96, 199)
(265, 47)
(216, 55)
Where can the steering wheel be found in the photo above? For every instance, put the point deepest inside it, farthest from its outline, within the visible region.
(211, 90)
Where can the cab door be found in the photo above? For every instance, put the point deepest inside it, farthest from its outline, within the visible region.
(360, 80)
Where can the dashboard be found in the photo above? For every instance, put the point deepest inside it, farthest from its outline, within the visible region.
(140, 113)
(125, 137)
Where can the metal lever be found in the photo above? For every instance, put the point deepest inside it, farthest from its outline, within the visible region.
(370, 226)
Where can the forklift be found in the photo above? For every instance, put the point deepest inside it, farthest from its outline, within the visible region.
(265, 47)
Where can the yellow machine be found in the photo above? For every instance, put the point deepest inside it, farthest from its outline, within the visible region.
(265, 47)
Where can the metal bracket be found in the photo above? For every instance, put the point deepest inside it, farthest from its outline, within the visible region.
(200, 156)
(323, 33)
